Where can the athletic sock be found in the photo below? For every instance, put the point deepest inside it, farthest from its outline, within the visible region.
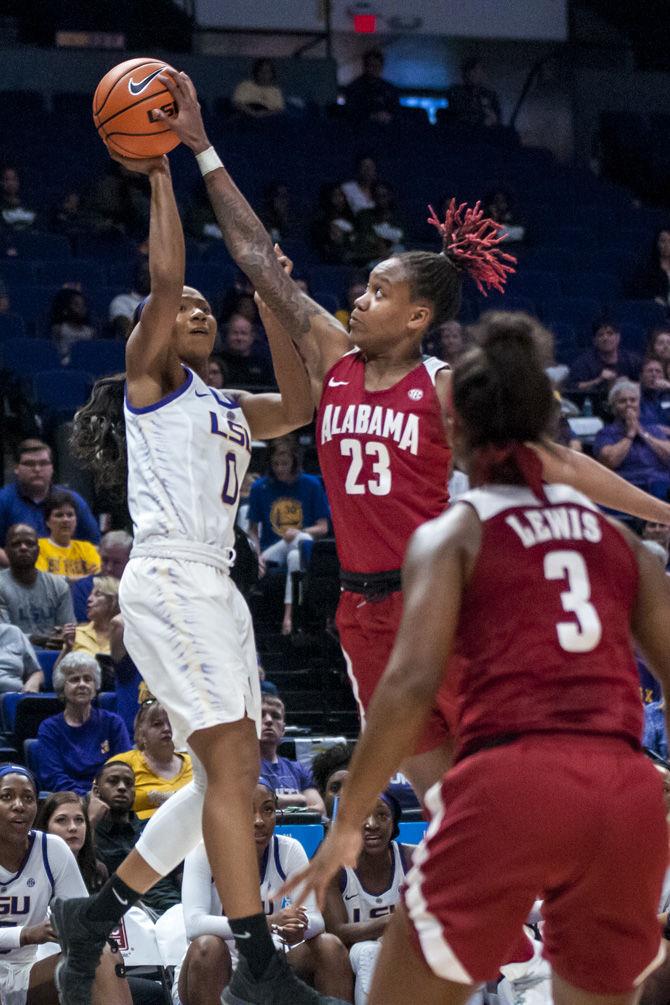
(112, 902)
(254, 942)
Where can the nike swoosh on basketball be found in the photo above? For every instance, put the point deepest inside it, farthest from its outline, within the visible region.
(119, 898)
(337, 383)
(138, 88)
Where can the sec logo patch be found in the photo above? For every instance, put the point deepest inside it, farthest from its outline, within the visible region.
(415, 394)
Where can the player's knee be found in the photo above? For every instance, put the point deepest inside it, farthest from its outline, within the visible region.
(330, 952)
(208, 955)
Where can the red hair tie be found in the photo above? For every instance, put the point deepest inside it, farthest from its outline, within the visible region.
(487, 459)
(471, 240)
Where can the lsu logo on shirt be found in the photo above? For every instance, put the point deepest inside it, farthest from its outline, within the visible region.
(14, 905)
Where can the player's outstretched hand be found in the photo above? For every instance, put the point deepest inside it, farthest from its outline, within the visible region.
(341, 848)
(141, 165)
(187, 123)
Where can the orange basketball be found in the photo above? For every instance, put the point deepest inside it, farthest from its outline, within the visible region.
(124, 106)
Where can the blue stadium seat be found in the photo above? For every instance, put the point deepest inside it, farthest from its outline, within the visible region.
(577, 311)
(645, 313)
(61, 392)
(69, 270)
(107, 700)
(112, 246)
(310, 836)
(602, 286)
(506, 302)
(12, 700)
(11, 326)
(634, 337)
(98, 358)
(534, 284)
(31, 757)
(327, 300)
(32, 302)
(31, 244)
(217, 252)
(411, 832)
(46, 659)
(333, 279)
(25, 356)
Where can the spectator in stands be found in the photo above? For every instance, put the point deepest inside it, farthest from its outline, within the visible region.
(123, 306)
(159, 770)
(369, 97)
(277, 215)
(76, 743)
(599, 368)
(659, 346)
(216, 373)
(115, 547)
(333, 227)
(239, 300)
(23, 500)
(128, 684)
(499, 205)
(471, 103)
(329, 769)
(659, 532)
(292, 782)
(260, 95)
(359, 191)
(15, 215)
(69, 218)
(94, 636)
(360, 901)
(637, 451)
(117, 829)
(298, 929)
(61, 553)
(199, 220)
(289, 507)
(379, 231)
(654, 393)
(119, 203)
(36, 602)
(655, 735)
(69, 321)
(18, 661)
(451, 341)
(652, 281)
(245, 366)
(64, 814)
(357, 288)
(243, 509)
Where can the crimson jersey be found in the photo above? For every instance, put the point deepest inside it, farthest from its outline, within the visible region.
(545, 620)
(384, 459)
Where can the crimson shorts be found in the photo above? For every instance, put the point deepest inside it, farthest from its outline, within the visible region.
(367, 632)
(576, 820)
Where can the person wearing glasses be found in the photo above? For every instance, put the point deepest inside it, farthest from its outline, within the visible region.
(159, 770)
(24, 499)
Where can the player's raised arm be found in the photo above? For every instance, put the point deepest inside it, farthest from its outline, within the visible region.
(603, 486)
(248, 241)
(148, 352)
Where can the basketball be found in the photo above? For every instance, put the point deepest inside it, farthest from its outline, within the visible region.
(124, 107)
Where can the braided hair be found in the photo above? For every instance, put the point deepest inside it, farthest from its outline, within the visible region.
(470, 246)
(98, 437)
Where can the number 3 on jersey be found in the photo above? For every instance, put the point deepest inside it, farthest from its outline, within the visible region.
(584, 636)
(380, 483)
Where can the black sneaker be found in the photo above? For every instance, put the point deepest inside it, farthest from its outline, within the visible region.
(278, 986)
(82, 942)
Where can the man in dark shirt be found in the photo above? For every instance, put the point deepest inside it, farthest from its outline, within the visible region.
(598, 369)
(370, 97)
(244, 366)
(23, 500)
(117, 830)
(471, 103)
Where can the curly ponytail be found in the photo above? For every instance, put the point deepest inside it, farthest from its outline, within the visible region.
(98, 436)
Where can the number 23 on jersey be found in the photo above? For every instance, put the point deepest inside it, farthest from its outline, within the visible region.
(378, 483)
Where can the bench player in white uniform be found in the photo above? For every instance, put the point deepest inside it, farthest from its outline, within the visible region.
(208, 963)
(360, 901)
(186, 625)
(33, 868)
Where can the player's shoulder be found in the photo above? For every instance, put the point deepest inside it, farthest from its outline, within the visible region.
(452, 528)
(52, 849)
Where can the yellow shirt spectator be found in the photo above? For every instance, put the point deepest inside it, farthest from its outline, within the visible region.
(77, 559)
(151, 789)
(159, 770)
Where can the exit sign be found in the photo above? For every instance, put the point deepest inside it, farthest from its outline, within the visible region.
(365, 24)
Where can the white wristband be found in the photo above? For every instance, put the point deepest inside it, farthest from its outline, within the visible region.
(208, 161)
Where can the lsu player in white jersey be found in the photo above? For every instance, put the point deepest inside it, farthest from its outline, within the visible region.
(186, 626)
(209, 961)
(33, 868)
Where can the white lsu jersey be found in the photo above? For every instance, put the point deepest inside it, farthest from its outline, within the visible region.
(49, 869)
(187, 457)
(364, 906)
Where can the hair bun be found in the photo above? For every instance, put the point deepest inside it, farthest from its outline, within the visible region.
(471, 242)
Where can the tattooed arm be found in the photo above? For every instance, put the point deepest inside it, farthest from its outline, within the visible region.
(320, 338)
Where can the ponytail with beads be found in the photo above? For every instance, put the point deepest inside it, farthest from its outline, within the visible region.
(503, 399)
(470, 246)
